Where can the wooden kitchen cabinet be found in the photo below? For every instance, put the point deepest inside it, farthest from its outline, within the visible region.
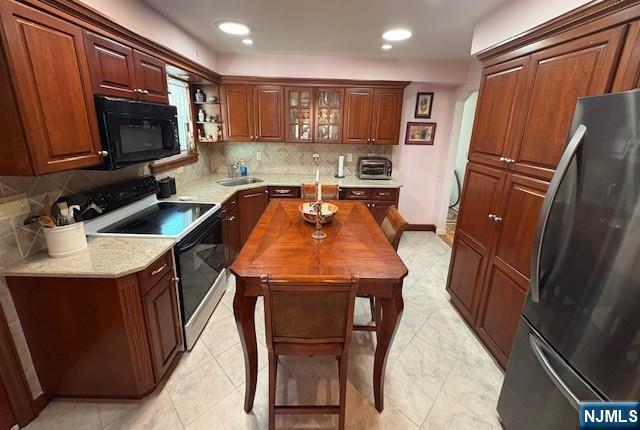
(111, 66)
(104, 337)
(121, 71)
(162, 316)
(48, 116)
(372, 115)
(377, 200)
(237, 101)
(231, 230)
(268, 113)
(358, 115)
(253, 113)
(251, 205)
(628, 71)
(475, 232)
(329, 112)
(151, 78)
(498, 112)
(508, 271)
(299, 114)
(387, 114)
(557, 76)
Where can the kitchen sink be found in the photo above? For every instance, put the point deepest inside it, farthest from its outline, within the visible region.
(231, 182)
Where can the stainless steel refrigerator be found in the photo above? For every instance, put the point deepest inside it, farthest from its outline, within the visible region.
(579, 335)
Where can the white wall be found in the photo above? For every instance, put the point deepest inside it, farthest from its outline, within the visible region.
(464, 138)
(421, 168)
(142, 19)
(306, 66)
(515, 17)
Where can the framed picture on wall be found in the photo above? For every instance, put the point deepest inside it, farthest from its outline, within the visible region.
(420, 133)
(424, 102)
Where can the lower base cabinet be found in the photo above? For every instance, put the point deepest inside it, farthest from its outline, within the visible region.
(251, 205)
(490, 261)
(104, 338)
(378, 200)
(230, 230)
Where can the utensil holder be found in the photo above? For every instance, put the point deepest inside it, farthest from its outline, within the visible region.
(65, 240)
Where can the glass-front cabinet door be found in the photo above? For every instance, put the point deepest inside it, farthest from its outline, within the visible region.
(329, 102)
(299, 113)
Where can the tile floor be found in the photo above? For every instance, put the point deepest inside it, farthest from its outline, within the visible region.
(438, 377)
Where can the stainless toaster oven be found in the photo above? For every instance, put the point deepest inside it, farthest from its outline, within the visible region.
(374, 168)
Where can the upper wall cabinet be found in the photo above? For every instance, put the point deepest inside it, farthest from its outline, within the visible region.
(329, 113)
(121, 71)
(253, 113)
(318, 112)
(557, 77)
(372, 115)
(48, 120)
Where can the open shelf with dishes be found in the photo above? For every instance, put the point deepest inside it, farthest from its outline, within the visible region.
(206, 112)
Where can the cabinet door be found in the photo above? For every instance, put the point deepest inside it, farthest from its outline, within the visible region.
(628, 71)
(557, 77)
(111, 66)
(299, 114)
(498, 111)
(358, 109)
(509, 268)
(474, 236)
(387, 111)
(151, 78)
(7, 417)
(379, 209)
(238, 112)
(328, 115)
(59, 113)
(231, 234)
(267, 104)
(251, 204)
(163, 324)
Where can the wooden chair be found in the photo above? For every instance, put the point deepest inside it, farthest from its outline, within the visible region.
(393, 226)
(329, 192)
(308, 315)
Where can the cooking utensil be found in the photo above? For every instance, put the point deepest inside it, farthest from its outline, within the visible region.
(46, 221)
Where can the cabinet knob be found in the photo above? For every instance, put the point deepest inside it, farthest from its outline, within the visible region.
(373, 205)
(103, 153)
(373, 140)
(503, 159)
(145, 91)
(231, 218)
(491, 216)
(496, 219)
(510, 160)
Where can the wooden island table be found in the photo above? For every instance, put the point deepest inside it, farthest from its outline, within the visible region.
(281, 245)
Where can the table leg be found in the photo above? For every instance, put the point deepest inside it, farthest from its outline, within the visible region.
(391, 314)
(244, 313)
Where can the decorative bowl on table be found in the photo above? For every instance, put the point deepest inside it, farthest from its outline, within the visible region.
(309, 214)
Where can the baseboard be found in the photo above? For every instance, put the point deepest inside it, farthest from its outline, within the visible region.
(421, 227)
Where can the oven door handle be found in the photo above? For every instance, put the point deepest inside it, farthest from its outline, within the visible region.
(182, 248)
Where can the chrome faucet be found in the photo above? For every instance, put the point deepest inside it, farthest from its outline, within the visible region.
(232, 169)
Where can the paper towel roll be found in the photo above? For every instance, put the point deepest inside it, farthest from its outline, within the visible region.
(341, 165)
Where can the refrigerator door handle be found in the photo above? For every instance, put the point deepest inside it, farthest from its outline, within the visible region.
(553, 375)
(563, 166)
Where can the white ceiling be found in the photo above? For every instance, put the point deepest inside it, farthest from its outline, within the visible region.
(442, 29)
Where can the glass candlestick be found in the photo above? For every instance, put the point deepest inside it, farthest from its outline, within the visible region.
(318, 234)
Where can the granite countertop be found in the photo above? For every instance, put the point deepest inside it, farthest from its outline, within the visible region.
(113, 257)
(207, 190)
(105, 257)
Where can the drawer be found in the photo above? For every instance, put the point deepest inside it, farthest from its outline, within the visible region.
(155, 272)
(284, 192)
(390, 194)
(357, 193)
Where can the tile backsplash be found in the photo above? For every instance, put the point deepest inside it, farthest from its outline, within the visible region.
(291, 158)
(18, 241)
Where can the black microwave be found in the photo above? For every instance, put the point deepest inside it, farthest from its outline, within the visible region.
(133, 131)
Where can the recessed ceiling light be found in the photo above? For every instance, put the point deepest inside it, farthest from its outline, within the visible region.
(233, 28)
(386, 46)
(396, 34)
(247, 42)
